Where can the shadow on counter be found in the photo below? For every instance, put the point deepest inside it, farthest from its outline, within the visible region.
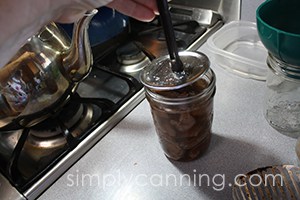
(214, 173)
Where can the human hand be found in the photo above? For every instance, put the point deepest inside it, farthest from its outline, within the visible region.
(143, 10)
(27, 17)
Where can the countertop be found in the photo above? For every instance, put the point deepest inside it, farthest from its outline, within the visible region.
(128, 162)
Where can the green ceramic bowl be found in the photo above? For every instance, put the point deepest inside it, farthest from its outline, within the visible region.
(278, 25)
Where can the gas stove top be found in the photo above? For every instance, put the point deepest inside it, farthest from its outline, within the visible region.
(33, 158)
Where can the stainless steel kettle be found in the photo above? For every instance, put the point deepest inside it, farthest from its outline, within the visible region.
(44, 73)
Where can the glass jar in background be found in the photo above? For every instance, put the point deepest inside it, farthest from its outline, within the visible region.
(182, 111)
(297, 149)
(282, 109)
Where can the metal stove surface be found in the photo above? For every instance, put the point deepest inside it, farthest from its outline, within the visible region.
(31, 159)
(115, 78)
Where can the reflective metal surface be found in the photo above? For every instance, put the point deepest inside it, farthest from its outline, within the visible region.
(45, 68)
(9, 193)
(229, 9)
(202, 16)
(272, 182)
(100, 85)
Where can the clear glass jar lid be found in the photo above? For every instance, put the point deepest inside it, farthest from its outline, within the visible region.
(159, 75)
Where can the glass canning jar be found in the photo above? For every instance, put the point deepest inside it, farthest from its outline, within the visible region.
(182, 112)
(282, 106)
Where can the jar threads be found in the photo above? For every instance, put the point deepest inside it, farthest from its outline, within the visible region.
(182, 112)
(282, 107)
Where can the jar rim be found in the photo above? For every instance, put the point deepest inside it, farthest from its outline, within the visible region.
(287, 70)
(210, 89)
(193, 71)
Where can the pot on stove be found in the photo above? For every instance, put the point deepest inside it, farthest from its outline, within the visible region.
(43, 74)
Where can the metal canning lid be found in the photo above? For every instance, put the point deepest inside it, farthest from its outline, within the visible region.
(271, 182)
(159, 75)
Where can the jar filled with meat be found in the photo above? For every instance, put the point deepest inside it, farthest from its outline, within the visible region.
(181, 104)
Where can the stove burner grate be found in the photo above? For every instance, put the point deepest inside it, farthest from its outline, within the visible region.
(42, 145)
(28, 154)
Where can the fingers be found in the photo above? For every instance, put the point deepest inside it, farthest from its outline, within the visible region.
(70, 15)
(143, 10)
(74, 9)
(151, 4)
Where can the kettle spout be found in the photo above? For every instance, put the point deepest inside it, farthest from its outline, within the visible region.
(78, 59)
